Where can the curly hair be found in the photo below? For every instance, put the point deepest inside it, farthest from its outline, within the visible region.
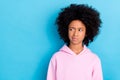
(88, 15)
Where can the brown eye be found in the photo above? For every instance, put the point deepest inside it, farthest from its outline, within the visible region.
(80, 30)
(70, 29)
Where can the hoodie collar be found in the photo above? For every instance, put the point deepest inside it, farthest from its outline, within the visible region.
(66, 49)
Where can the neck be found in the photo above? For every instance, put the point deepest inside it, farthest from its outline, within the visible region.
(76, 48)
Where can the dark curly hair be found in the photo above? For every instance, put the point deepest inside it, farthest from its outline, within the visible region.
(88, 15)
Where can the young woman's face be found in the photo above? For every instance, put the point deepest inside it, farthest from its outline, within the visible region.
(76, 32)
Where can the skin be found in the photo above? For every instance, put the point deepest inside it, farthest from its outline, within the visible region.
(76, 34)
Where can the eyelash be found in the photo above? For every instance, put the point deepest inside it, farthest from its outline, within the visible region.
(70, 29)
(73, 29)
(80, 30)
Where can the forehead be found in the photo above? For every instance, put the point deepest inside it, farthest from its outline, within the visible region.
(76, 24)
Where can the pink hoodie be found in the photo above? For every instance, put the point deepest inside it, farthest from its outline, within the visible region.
(66, 65)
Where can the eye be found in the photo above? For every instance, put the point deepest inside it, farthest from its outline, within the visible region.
(71, 29)
(80, 30)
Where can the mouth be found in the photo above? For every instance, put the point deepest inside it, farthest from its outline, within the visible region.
(74, 39)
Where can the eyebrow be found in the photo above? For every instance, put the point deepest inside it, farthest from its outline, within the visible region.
(77, 28)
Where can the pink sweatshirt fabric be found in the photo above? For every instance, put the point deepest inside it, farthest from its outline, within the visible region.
(66, 65)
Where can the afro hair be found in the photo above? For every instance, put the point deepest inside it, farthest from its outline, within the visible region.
(88, 15)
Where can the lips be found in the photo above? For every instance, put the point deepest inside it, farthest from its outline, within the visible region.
(74, 39)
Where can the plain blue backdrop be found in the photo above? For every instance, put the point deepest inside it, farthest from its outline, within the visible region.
(28, 37)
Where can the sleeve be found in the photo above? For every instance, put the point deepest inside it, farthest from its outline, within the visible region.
(51, 74)
(97, 70)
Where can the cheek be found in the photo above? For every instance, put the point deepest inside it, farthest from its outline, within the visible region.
(70, 35)
(84, 35)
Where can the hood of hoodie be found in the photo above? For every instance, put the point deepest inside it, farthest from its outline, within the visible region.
(67, 50)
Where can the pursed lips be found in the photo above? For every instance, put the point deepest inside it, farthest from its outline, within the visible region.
(74, 38)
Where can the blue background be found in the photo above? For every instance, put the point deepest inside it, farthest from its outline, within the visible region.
(28, 37)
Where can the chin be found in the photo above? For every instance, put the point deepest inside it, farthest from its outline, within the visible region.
(76, 43)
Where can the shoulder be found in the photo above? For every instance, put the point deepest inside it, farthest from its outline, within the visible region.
(93, 55)
(56, 55)
(61, 53)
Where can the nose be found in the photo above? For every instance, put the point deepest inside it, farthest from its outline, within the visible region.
(75, 33)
